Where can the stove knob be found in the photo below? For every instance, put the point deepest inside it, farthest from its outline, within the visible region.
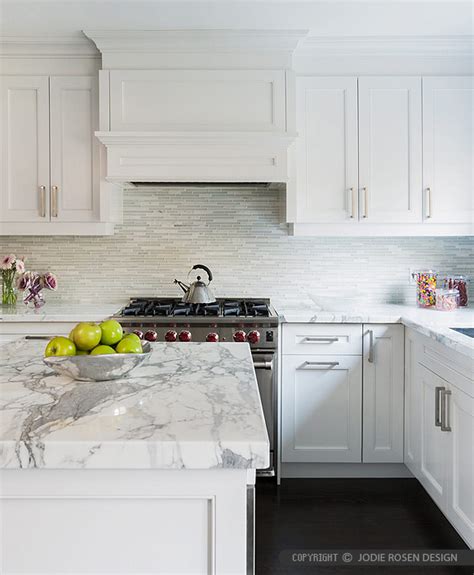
(253, 336)
(240, 336)
(171, 335)
(185, 335)
(214, 337)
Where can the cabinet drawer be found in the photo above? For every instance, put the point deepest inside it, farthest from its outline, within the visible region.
(322, 339)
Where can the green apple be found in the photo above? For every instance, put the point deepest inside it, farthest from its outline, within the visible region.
(102, 350)
(60, 346)
(133, 336)
(82, 352)
(129, 345)
(112, 332)
(87, 335)
(71, 334)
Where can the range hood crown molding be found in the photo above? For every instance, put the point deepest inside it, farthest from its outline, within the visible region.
(195, 41)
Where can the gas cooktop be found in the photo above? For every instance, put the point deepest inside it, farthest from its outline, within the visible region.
(221, 309)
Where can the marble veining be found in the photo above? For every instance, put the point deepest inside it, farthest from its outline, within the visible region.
(430, 322)
(59, 311)
(191, 406)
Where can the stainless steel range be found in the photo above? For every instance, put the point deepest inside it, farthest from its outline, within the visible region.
(241, 320)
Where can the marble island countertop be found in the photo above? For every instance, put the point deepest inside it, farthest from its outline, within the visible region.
(430, 322)
(191, 406)
(59, 312)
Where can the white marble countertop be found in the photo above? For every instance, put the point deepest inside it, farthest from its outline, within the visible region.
(192, 406)
(59, 312)
(430, 322)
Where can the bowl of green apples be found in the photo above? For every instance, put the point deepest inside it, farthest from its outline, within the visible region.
(96, 352)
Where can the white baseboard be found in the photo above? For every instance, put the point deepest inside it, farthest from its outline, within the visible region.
(310, 470)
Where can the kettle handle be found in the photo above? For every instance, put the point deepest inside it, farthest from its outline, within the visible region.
(205, 268)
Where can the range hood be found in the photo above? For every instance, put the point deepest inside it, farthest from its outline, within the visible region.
(196, 106)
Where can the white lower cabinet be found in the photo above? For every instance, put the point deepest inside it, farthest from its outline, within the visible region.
(439, 429)
(322, 414)
(342, 401)
(383, 386)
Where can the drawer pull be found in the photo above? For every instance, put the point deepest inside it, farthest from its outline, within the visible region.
(438, 419)
(318, 364)
(315, 339)
(445, 423)
(371, 346)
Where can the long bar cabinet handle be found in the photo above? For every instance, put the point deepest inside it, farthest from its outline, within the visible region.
(318, 364)
(445, 419)
(352, 203)
(371, 346)
(428, 203)
(42, 199)
(438, 417)
(314, 339)
(366, 203)
(54, 201)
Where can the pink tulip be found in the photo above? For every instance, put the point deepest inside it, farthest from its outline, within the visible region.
(7, 262)
(20, 266)
(50, 281)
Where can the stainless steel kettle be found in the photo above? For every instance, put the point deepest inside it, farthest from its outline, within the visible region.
(198, 291)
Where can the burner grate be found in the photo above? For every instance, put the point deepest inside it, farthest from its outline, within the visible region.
(152, 307)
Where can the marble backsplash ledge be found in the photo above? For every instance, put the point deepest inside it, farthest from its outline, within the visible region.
(238, 234)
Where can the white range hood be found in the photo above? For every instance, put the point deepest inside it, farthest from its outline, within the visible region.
(196, 106)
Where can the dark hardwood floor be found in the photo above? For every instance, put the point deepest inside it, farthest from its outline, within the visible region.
(349, 514)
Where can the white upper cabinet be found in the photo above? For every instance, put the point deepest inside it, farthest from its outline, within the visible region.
(448, 116)
(390, 173)
(24, 152)
(74, 149)
(327, 178)
(197, 100)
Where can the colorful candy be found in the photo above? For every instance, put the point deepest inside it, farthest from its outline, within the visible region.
(447, 299)
(425, 288)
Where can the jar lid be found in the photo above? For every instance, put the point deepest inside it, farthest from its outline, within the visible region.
(426, 272)
(458, 277)
(443, 291)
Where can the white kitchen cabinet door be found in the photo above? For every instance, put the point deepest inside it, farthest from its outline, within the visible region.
(390, 150)
(383, 388)
(434, 442)
(198, 100)
(459, 414)
(326, 154)
(321, 409)
(412, 432)
(448, 115)
(74, 149)
(24, 154)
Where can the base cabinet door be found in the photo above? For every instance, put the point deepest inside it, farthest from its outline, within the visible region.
(459, 420)
(448, 114)
(24, 153)
(434, 442)
(74, 149)
(321, 409)
(383, 393)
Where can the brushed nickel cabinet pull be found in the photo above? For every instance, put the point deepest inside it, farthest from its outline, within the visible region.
(318, 364)
(366, 203)
(428, 203)
(54, 201)
(352, 201)
(438, 418)
(319, 339)
(445, 420)
(371, 346)
(42, 199)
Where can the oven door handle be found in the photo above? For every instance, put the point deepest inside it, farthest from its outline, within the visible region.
(263, 364)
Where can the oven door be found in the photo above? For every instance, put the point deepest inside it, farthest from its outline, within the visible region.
(264, 362)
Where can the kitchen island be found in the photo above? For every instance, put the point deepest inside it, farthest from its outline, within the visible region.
(153, 473)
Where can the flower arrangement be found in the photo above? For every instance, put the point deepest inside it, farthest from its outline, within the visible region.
(32, 284)
(10, 267)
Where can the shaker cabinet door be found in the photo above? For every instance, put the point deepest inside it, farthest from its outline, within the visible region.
(74, 149)
(448, 115)
(326, 149)
(390, 152)
(383, 393)
(321, 409)
(24, 154)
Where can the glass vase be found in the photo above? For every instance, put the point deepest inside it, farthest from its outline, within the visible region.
(8, 289)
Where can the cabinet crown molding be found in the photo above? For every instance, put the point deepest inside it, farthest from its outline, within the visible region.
(47, 47)
(192, 41)
(387, 45)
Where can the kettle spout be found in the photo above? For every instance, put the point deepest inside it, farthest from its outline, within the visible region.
(182, 285)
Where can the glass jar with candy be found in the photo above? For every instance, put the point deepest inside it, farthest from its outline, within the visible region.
(460, 283)
(425, 287)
